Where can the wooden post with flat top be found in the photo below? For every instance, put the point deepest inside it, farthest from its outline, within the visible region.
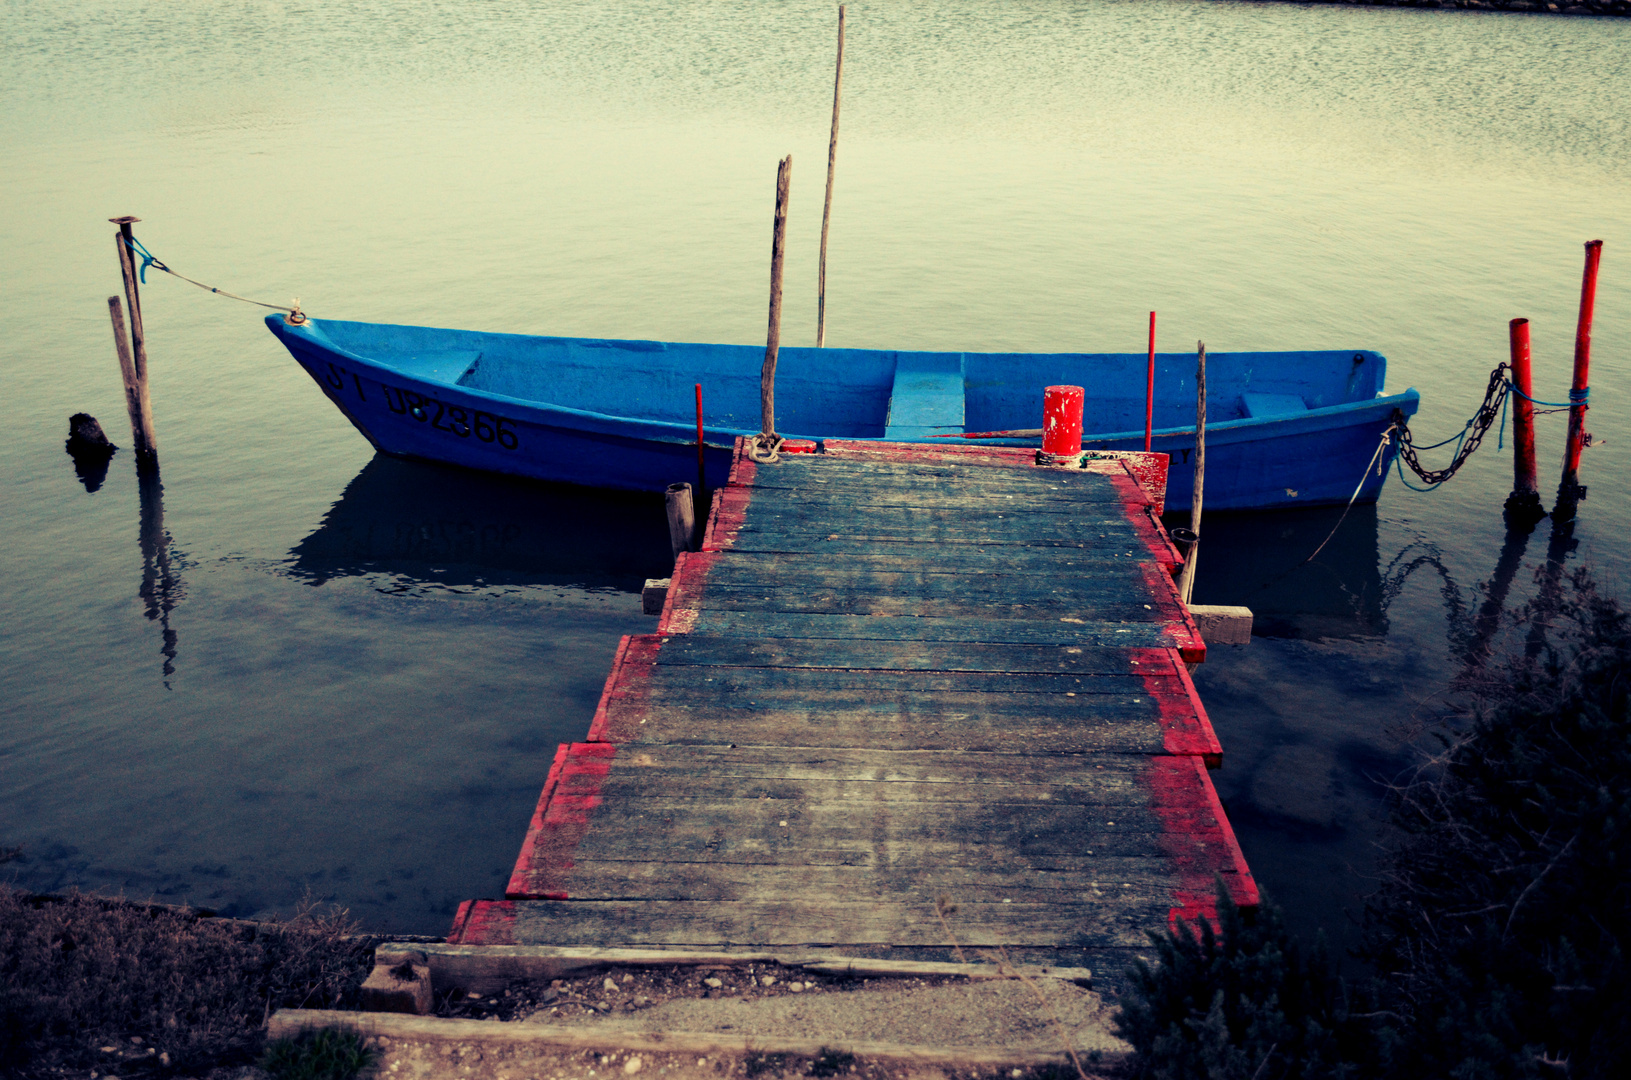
(133, 352)
(1186, 583)
(773, 336)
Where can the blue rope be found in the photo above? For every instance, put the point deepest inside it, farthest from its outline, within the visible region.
(147, 257)
(1457, 438)
(1500, 433)
(1576, 397)
(1398, 464)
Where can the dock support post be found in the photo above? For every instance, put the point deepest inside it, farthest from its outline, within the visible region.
(1523, 508)
(1186, 583)
(1149, 390)
(767, 440)
(682, 518)
(826, 209)
(133, 353)
(1569, 490)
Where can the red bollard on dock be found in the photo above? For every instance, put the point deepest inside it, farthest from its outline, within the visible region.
(1523, 508)
(1061, 426)
(1570, 491)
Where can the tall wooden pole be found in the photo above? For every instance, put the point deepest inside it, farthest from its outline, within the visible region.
(826, 209)
(1186, 582)
(134, 366)
(127, 372)
(773, 336)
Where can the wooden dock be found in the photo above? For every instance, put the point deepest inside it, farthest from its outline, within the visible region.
(896, 680)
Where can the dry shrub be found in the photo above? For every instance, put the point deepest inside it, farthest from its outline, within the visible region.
(81, 972)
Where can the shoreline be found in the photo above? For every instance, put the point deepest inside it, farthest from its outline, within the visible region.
(1599, 8)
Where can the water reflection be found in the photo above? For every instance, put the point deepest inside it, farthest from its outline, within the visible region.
(162, 588)
(449, 528)
(1549, 595)
(1261, 561)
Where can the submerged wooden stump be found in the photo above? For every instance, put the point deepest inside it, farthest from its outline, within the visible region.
(90, 448)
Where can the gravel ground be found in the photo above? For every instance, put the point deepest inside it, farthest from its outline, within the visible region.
(768, 1001)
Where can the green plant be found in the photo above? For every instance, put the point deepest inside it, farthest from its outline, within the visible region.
(1240, 1003)
(757, 1063)
(1501, 926)
(1499, 931)
(831, 1062)
(319, 1054)
(79, 972)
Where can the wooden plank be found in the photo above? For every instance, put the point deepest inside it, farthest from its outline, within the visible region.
(592, 877)
(1105, 670)
(925, 564)
(976, 518)
(776, 923)
(1034, 772)
(722, 650)
(999, 581)
(978, 723)
(517, 1043)
(1044, 630)
(1150, 878)
(927, 491)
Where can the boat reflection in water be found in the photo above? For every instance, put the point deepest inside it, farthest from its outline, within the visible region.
(458, 529)
(1260, 560)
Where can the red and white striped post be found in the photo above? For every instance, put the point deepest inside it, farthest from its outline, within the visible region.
(1523, 507)
(1569, 490)
(1061, 426)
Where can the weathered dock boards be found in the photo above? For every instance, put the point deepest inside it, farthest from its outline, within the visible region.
(894, 677)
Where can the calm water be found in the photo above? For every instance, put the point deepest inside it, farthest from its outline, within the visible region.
(330, 671)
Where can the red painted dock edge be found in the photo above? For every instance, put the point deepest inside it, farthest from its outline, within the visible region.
(1181, 794)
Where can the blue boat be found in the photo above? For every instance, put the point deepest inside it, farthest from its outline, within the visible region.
(1284, 428)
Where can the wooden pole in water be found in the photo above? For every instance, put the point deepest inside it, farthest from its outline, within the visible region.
(682, 518)
(135, 367)
(826, 209)
(1523, 507)
(1186, 582)
(1569, 491)
(1149, 390)
(127, 373)
(773, 336)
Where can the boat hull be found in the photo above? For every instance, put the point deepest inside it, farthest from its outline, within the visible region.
(418, 411)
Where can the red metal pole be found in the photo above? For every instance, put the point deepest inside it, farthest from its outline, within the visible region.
(1523, 507)
(1149, 389)
(1569, 491)
(1061, 424)
(701, 476)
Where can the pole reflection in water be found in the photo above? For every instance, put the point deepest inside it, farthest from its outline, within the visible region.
(162, 588)
(1549, 595)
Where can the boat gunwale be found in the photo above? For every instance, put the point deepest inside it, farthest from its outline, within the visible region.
(682, 432)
